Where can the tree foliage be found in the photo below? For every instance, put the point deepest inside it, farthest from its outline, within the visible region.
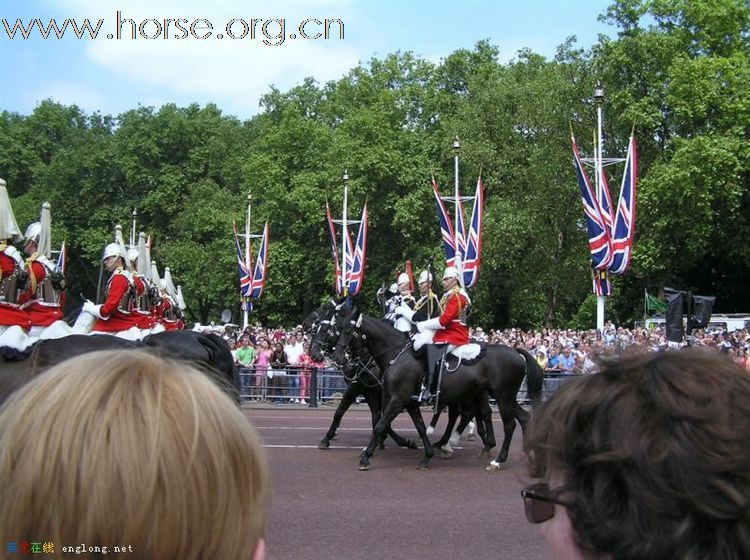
(676, 69)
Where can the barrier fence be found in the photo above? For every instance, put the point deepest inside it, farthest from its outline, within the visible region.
(311, 387)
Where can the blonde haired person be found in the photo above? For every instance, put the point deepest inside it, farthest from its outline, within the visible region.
(145, 453)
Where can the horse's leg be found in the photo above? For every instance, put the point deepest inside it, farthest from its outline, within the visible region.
(452, 437)
(453, 412)
(434, 420)
(486, 430)
(416, 416)
(391, 411)
(509, 426)
(349, 396)
(471, 436)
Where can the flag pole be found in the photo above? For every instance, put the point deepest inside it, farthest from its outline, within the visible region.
(599, 98)
(457, 261)
(245, 313)
(132, 230)
(344, 274)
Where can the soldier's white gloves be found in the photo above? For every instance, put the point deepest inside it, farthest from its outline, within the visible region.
(429, 325)
(92, 309)
(404, 311)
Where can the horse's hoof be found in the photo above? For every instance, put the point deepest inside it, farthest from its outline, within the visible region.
(471, 437)
(445, 454)
(493, 466)
(324, 445)
(422, 468)
(364, 467)
(483, 454)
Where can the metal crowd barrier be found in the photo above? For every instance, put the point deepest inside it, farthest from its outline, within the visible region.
(312, 386)
(291, 385)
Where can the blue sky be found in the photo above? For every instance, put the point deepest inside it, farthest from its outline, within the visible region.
(111, 76)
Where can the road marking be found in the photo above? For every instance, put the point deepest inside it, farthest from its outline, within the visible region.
(360, 447)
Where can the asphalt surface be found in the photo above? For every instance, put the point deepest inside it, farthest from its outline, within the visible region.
(324, 508)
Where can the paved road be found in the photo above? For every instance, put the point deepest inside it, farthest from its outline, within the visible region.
(324, 508)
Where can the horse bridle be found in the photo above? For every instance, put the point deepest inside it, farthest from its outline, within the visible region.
(356, 334)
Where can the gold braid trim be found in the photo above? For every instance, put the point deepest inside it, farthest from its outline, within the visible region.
(32, 277)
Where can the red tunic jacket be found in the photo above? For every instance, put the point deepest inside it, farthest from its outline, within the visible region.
(42, 314)
(116, 318)
(454, 331)
(10, 313)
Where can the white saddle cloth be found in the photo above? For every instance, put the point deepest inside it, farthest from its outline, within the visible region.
(465, 351)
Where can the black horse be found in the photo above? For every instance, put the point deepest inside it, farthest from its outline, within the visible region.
(361, 373)
(208, 352)
(364, 377)
(499, 373)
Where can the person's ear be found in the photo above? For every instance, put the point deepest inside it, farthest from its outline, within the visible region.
(259, 552)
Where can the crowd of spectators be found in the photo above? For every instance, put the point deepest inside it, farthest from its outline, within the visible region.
(278, 360)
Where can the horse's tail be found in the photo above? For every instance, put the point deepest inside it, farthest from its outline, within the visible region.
(534, 376)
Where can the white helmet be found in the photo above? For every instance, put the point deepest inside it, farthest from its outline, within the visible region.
(424, 276)
(403, 278)
(32, 232)
(393, 288)
(114, 250)
(451, 272)
(133, 255)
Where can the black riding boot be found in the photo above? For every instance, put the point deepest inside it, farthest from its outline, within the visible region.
(433, 354)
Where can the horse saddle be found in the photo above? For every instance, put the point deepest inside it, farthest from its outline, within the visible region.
(465, 355)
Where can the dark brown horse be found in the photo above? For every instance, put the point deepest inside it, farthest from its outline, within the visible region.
(205, 351)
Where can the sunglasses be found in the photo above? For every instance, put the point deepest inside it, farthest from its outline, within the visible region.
(539, 502)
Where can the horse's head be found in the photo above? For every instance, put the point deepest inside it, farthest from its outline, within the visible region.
(325, 329)
(350, 336)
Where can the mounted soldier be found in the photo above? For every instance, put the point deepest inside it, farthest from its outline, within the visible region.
(14, 321)
(146, 294)
(42, 297)
(446, 332)
(168, 307)
(115, 316)
(401, 304)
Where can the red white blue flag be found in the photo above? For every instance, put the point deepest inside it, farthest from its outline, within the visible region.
(334, 251)
(624, 224)
(259, 272)
(600, 244)
(245, 278)
(357, 272)
(474, 241)
(446, 229)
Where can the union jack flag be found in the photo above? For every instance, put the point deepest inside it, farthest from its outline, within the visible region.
(446, 229)
(600, 243)
(245, 277)
(346, 242)
(259, 273)
(474, 241)
(334, 250)
(624, 224)
(357, 273)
